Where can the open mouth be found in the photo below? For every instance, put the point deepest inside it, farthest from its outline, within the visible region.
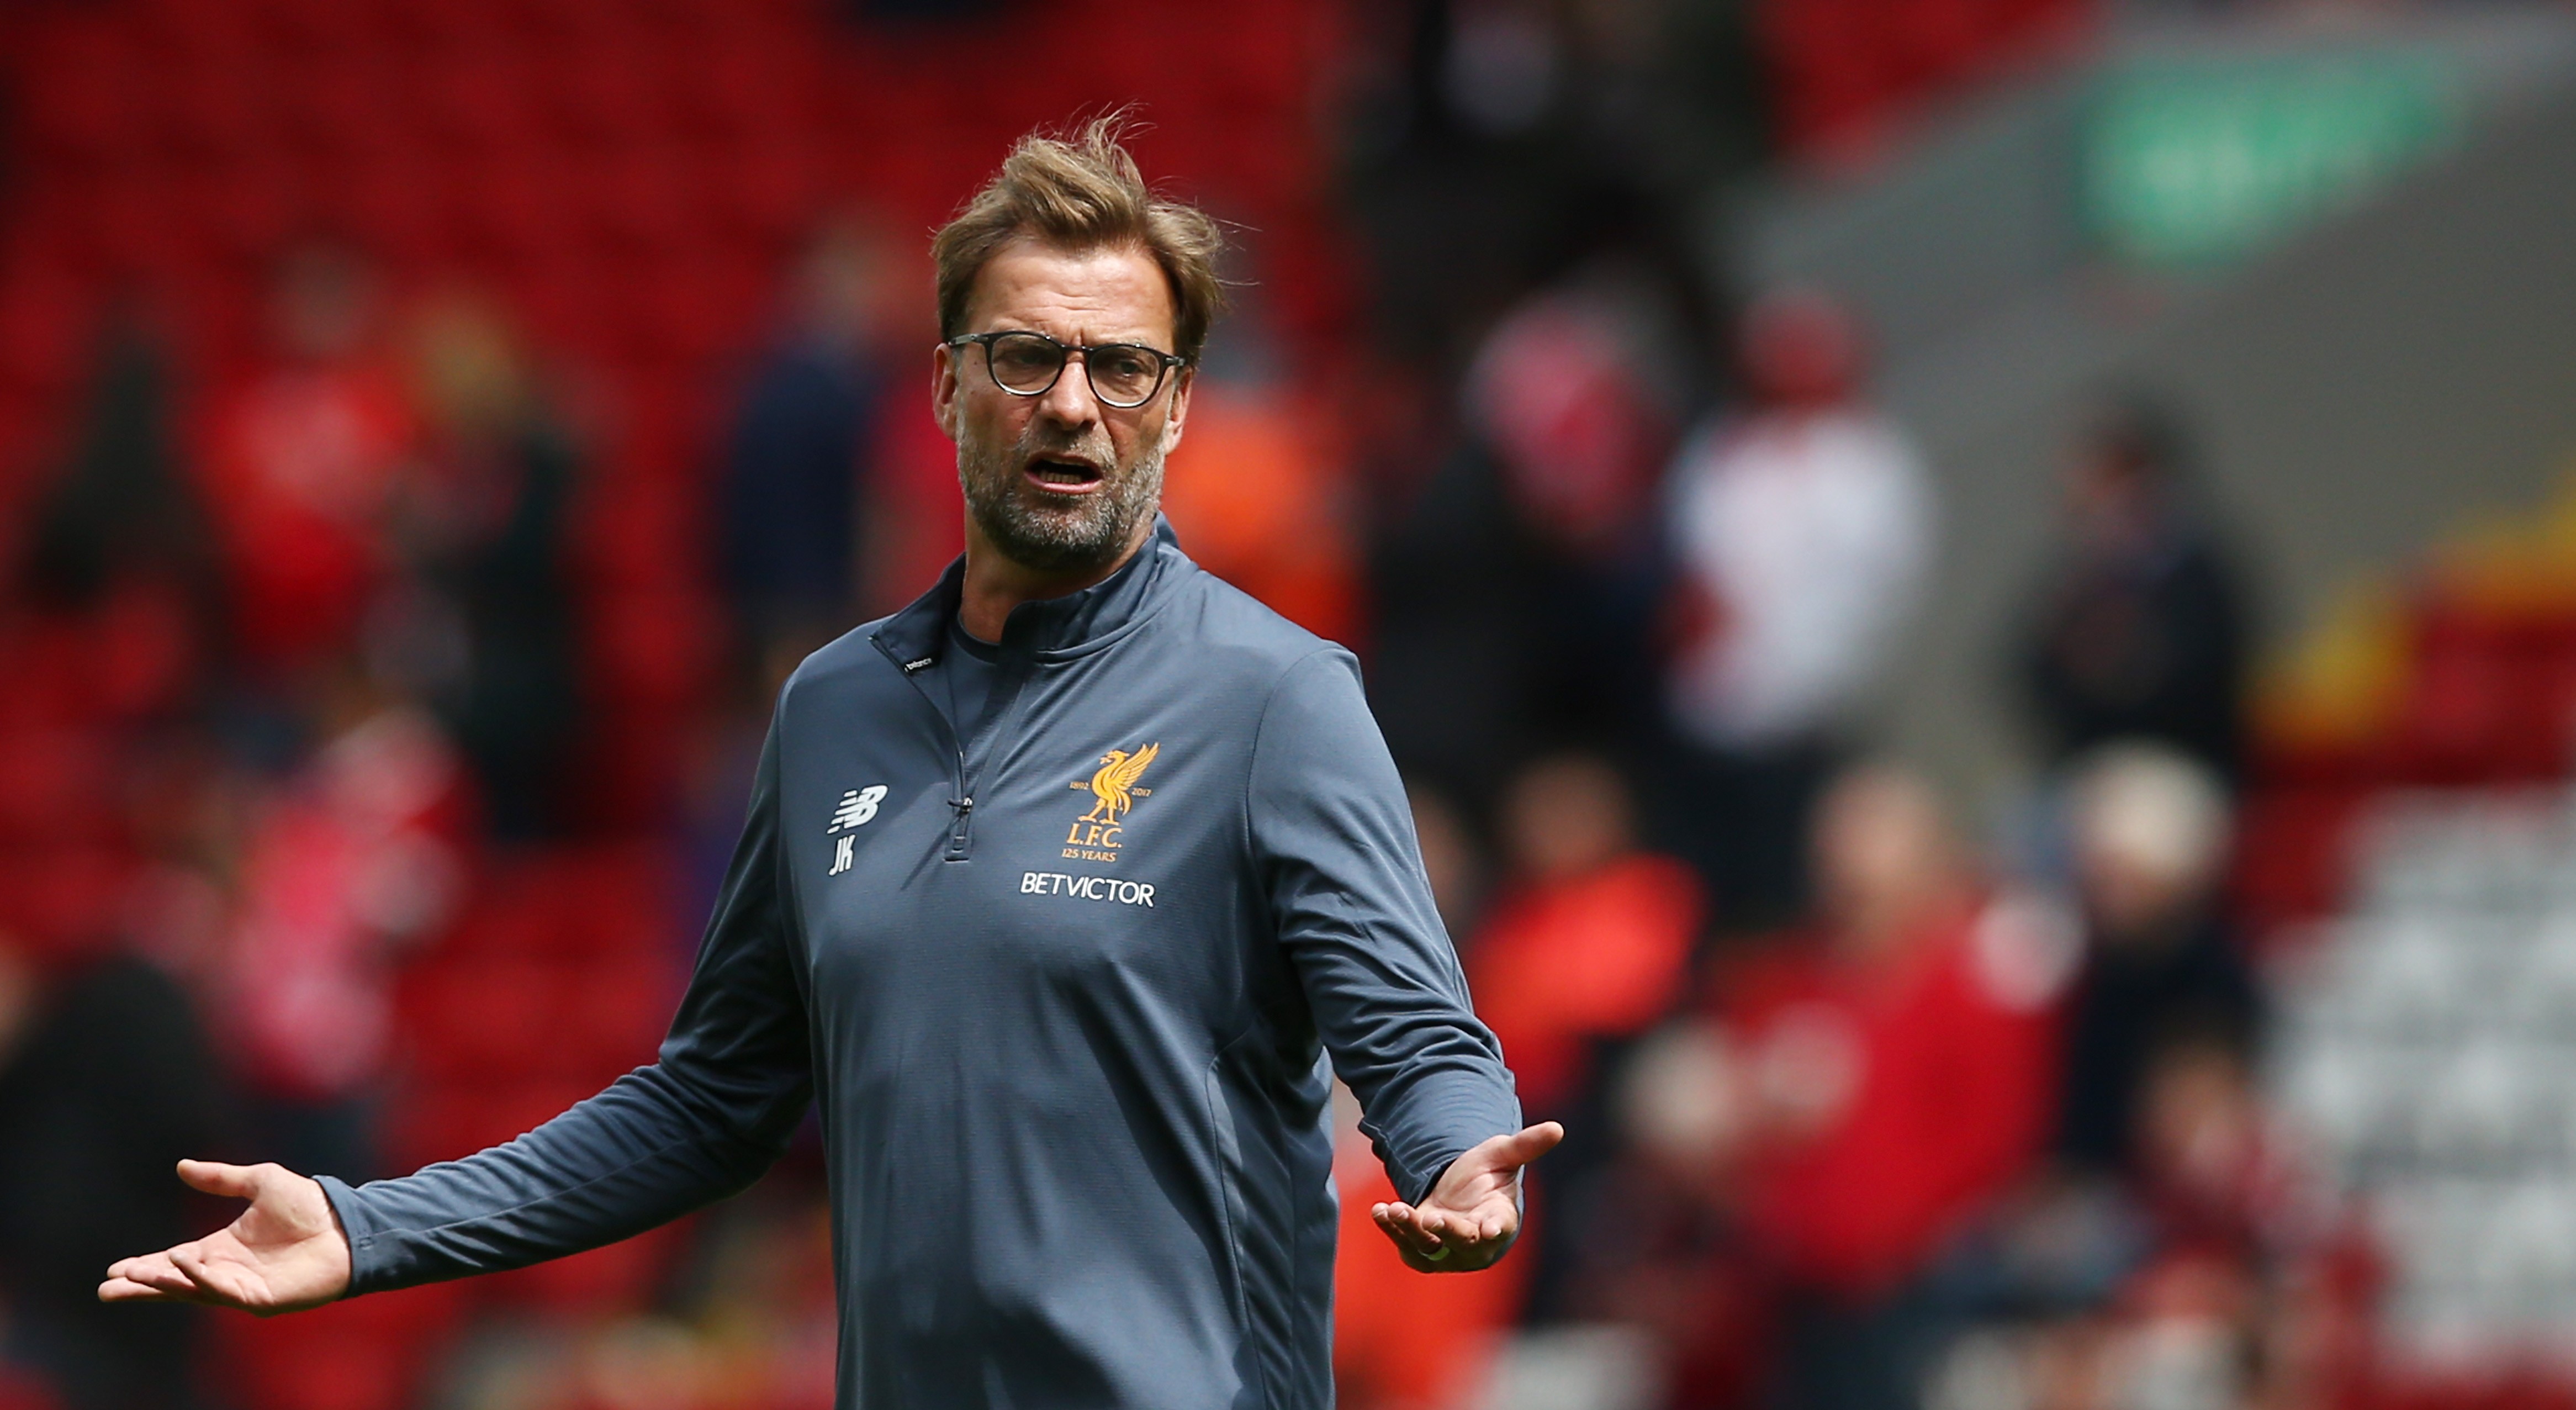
(1063, 476)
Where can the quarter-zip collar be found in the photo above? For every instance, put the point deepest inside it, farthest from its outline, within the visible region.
(1051, 628)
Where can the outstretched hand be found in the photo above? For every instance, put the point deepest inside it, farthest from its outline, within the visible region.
(1470, 1218)
(285, 1253)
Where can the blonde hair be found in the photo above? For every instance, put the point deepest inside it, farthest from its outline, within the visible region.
(1083, 193)
(2154, 807)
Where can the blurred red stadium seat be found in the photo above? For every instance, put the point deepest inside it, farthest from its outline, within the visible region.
(86, 96)
(631, 179)
(366, 1354)
(48, 321)
(2293, 853)
(21, 1392)
(63, 898)
(480, 98)
(475, 1018)
(452, 1121)
(55, 785)
(622, 1277)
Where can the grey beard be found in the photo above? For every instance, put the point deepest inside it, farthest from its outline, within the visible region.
(1089, 533)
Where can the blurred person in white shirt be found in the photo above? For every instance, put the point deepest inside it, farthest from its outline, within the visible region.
(1802, 532)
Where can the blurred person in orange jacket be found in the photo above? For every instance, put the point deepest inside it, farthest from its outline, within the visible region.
(304, 453)
(1256, 492)
(1587, 948)
(1380, 1361)
(1592, 937)
(1904, 1069)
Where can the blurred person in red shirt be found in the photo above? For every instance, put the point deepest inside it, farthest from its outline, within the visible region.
(348, 860)
(1588, 946)
(1536, 528)
(302, 455)
(1802, 531)
(1904, 1068)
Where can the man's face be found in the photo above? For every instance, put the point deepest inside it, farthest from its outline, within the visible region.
(1060, 482)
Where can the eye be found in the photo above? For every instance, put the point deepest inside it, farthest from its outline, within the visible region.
(1123, 364)
(1023, 355)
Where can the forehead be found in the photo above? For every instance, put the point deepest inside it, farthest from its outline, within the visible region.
(1104, 295)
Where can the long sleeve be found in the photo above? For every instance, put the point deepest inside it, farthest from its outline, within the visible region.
(1332, 837)
(734, 1077)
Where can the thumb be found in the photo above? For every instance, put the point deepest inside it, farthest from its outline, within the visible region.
(216, 1178)
(1528, 1144)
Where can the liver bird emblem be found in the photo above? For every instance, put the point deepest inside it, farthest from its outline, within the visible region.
(1113, 784)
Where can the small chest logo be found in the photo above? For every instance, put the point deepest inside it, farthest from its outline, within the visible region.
(853, 811)
(1094, 836)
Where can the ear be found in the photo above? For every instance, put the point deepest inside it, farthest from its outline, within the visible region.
(1179, 410)
(945, 403)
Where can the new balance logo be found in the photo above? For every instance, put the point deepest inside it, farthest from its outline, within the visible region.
(855, 808)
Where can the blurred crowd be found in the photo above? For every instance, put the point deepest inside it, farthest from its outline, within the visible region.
(1868, 1107)
(1863, 1111)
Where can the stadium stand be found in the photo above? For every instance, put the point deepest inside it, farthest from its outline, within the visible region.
(627, 178)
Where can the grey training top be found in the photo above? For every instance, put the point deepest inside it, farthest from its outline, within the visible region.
(1066, 1018)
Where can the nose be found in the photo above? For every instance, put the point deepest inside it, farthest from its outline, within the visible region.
(1070, 402)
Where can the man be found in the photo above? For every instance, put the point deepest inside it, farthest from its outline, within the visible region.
(1802, 534)
(2139, 628)
(1056, 888)
(1903, 1056)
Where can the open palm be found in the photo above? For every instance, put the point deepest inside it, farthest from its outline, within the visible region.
(1471, 1216)
(285, 1253)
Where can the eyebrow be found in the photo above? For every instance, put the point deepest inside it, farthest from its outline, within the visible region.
(1138, 341)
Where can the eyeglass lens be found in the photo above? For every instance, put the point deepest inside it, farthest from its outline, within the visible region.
(1028, 363)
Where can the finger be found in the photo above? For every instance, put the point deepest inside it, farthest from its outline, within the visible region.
(213, 1284)
(128, 1290)
(1398, 1220)
(1400, 1213)
(1488, 1222)
(1436, 1227)
(1408, 1227)
(216, 1178)
(1529, 1143)
(1398, 1232)
(153, 1270)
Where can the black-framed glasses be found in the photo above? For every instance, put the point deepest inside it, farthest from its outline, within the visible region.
(1123, 375)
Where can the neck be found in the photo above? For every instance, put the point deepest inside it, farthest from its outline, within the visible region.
(995, 584)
